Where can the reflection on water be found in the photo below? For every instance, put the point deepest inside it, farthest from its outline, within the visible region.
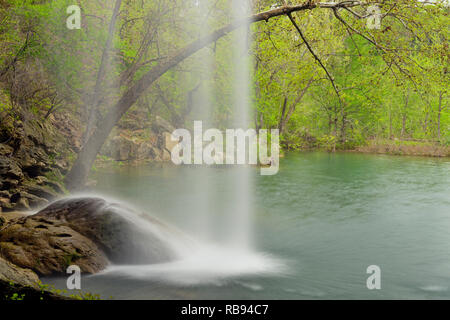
(326, 216)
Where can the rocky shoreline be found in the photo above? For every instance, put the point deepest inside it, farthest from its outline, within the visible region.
(88, 232)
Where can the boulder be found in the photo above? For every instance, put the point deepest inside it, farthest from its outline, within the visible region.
(12, 273)
(88, 232)
(48, 247)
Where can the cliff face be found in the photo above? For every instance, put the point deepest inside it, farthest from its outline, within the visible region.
(138, 139)
(34, 156)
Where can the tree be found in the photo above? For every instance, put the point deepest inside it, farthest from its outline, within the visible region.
(136, 71)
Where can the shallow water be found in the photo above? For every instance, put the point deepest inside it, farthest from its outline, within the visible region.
(318, 225)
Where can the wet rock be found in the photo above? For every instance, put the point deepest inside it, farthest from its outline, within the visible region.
(5, 194)
(9, 169)
(5, 204)
(9, 183)
(32, 200)
(12, 273)
(62, 165)
(22, 204)
(56, 186)
(49, 247)
(32, 160)
(87, 232)
(5, 150)
(41, 180)
(39, 191)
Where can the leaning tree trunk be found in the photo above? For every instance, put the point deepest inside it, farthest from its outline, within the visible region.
(96, 95)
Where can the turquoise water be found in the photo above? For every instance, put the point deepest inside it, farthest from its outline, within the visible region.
(324, 217)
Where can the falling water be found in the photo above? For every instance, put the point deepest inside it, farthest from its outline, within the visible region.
(200, 98)
(241, 211)
(230, 225)
(220, 243)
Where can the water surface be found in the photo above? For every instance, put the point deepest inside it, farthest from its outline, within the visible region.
(318, 224)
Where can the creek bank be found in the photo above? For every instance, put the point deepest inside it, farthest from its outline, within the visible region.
(405, 148)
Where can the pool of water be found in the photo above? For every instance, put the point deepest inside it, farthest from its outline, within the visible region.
(315, 228)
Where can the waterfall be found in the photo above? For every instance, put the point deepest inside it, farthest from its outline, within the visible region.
(221, 246)
(232, 224)
(241, 210)
(200, 96)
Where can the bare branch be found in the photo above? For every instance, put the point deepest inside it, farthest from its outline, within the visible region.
(316, 57)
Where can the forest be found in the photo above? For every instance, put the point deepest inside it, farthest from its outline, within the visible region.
(321, 74)
(91, 91)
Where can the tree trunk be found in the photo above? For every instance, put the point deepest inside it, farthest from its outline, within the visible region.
(286, 116)
(404, 115)
(282, 118)
(344, 124)
(96, 96)
(390, 123)
(439, 117)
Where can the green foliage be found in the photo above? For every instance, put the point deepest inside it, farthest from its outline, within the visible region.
(392, 81)
(382, 93)
(80, 295)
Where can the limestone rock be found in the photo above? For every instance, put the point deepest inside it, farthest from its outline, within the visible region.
(48, 247)
(9, 169)
(12, 273)
(122, 148)
(87, 232)
(5, 150)
(22, 283)
(40, 191)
